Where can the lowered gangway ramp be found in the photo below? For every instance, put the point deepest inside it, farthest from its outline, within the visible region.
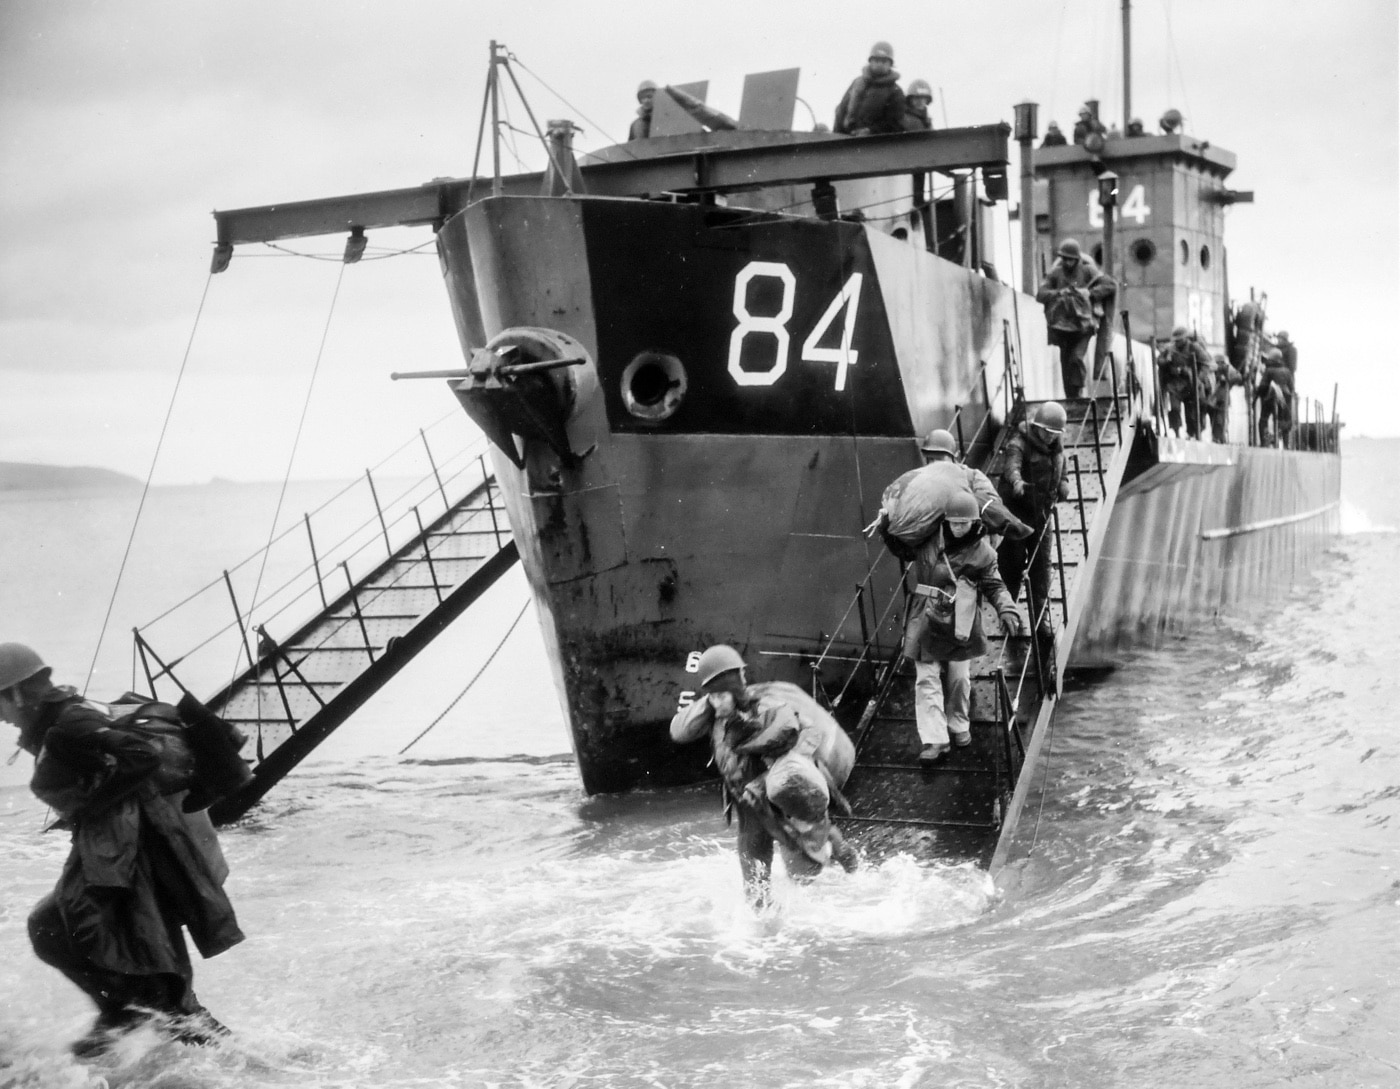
(300, 687)
(966, 806)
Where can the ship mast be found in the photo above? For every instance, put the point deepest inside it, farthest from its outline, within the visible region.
(1127, 63)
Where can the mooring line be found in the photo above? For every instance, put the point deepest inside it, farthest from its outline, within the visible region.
(282, 495)
(146, 489)
(458, 699)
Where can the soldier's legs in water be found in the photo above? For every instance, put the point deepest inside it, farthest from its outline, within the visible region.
(957, 691)
(121, 999)
(928, 703)
(755, 856)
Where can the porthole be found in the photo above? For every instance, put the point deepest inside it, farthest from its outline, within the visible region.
(1185, 252)
(1143, 251)
(1205, 257)
(653, 386)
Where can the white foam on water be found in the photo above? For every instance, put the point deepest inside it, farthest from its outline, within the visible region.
(1355, 521)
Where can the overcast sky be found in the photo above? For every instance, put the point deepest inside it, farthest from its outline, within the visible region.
(124, 124)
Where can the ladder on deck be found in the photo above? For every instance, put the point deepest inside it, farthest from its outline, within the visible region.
(961, 807)
(298, 689)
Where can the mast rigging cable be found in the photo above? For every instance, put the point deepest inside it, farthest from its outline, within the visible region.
(146, 488)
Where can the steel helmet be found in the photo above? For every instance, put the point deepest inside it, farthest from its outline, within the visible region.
(18, 663)
(1180, 333)
(939, 441)
(1051, 416)
(1170, 121)
(962, 505)
(882, 49)
(718, 659)
(1283, 334)
(645, 86)
(1070, 248)
(919, 87)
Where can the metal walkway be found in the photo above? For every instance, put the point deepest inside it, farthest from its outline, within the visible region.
(299, 688)
(964, 807)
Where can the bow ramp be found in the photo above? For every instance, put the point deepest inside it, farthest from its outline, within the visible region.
(966, 806)
(417, 576)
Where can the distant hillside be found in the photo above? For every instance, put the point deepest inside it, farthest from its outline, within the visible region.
(23, 476)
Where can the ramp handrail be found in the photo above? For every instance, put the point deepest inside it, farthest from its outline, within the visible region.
(365, 528)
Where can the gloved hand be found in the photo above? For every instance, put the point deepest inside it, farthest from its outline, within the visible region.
(1019, 488)
(1012, 625)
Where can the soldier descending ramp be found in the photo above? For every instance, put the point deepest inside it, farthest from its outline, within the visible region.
(966, 806)
(296, 690)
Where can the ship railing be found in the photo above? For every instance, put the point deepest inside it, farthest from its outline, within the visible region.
(346, 536)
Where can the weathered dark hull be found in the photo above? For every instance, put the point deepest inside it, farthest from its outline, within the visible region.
(740, 518)
(738, 515)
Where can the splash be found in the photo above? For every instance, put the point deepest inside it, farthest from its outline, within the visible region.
(1356, 521)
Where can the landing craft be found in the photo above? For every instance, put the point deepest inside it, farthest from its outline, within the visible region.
(701, 357)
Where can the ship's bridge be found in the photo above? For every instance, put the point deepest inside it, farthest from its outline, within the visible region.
(1169, 250)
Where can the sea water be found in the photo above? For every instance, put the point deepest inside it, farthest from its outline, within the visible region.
(1206, 892)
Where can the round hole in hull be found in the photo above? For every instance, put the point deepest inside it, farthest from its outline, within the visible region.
(653, 386)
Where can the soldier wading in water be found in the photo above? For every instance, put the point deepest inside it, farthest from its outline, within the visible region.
(142, 866)
(782, 761)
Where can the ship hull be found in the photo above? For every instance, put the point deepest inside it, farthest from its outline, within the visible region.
(741, 518)
(810, 355)
(1206, 531)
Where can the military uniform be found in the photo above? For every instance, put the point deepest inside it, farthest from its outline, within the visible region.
(949, 568)
(1074, 300)
(1041, 469)
(872, 104)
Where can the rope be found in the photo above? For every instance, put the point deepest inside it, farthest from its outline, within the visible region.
(1045, 778)
(458, 699)
(1171, 42)
(596, 127)
(146, 489)
(291, 459)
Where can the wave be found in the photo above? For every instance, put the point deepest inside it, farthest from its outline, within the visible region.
(1356, 521)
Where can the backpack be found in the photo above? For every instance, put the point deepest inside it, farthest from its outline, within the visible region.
(198, 750)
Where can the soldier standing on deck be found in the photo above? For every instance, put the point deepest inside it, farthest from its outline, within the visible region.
(1074, 294)
(1217, 402)
(1184, 367)
(646, 98)
(873, 103)
(917, 101)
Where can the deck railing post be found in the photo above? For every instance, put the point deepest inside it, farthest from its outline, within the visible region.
(1060, 565)
(140, 644)
(238, 617)
(355, 604)
(1098, 443)
(428, 554)
(315, 562)
(383, 526)
(957, 424)
(436, 475)
(265, 639)
(490, 501)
